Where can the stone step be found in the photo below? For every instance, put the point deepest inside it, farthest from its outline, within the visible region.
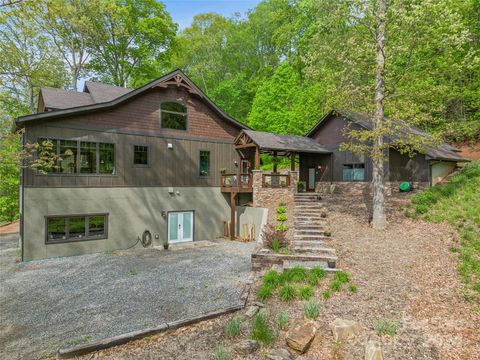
(308, 265)
(309, 218)
(312, 207)
(309, 231)
(314, 249)
(311, 237)
(308, 213)
(304, 223)
(311, 243)
(308, 226)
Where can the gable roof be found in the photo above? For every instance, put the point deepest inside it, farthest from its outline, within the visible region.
(103, 92)
(443, 151)
(176, 77)
(285, 143)
(63, 99)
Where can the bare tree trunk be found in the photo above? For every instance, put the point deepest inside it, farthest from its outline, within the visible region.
(379, 218)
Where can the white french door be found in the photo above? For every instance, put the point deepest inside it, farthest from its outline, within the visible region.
(180, 226)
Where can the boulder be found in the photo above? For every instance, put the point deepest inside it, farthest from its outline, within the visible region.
(301, 334)
(373, 350)
(246, 347)
(344, 330)
(279, 354)
(251, 311)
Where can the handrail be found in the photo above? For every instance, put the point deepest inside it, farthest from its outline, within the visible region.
(230, 180)
(274, 180)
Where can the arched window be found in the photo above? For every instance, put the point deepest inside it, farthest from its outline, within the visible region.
(174, 116)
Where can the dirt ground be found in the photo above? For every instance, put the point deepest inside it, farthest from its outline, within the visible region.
(11, 228)
(469, 151)
(406, 274)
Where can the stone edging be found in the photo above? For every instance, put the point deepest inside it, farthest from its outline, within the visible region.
(124, 338)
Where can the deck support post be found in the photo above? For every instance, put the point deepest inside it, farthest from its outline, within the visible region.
(292, 161)
(232, 215)
(275, 165)
(257, 158)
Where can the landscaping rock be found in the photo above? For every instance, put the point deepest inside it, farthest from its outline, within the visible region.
(251, 311)
(373, 350)
(259, 304)
(279, 354)
(264, 251)
(301, 334)
(246, 347)
(344, 330)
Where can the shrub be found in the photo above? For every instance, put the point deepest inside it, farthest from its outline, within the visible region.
(269, 233)
(312, 280)
(287, 293)
(352, 288)
(326, 295)
(272, 277)
(234, 327)
(295, 274)
(281, 210)
(312, 309)
(282, 203)
(336, 285)
(276, 246)
(385, 327)
(281, 227)
(327, 233)
(220, 353)
(265, 292)
(282, 217)
(305, 292)
(318, 272)
(282, 320)
(261, 330)
(342, 277)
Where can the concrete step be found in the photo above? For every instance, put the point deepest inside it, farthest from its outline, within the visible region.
(311, 243)
(314, 250)
(308, 265)
(301, 223)
(301, 231)
(311, 237)
(309, 226)
(309, 218)
(308, 213)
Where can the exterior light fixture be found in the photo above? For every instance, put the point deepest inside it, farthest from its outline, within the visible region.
(169, 146)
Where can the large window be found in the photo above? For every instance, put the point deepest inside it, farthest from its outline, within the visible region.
(353, 172)
(174, 116)
(140, 155)
(76, 228)
(204, 163)
(76, 157)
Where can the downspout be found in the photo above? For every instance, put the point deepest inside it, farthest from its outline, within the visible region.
(22, 202)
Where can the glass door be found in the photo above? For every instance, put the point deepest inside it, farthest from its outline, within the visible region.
(180, 226)
(311, 179)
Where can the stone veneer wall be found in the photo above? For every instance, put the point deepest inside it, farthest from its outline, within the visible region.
(360, 188)
(270, 197)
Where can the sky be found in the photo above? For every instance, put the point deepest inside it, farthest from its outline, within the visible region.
(183, 11)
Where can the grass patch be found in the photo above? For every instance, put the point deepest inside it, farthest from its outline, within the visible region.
(335, 285)
(326, 295)
(233, 327)
(296, 274)
(342, 277)
(220, 353)
(282, 203)
(385, 327)
(272, 277)
(261, 330)
(305, 292)
(282, 320)
(287, 293)
(457, 202)
(265, 291)
(312, 309)
(353, 288)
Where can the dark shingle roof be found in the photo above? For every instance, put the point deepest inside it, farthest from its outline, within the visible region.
(63, 99)
(103, 92)
(286, 143)
(441, 152)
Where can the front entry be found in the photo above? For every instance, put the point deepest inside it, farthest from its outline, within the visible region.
(311, 179)
(180, 226)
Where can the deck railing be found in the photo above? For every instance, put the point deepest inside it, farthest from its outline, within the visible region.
(274, 180)
(231, 180)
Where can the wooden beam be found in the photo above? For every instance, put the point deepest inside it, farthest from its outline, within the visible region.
(232, 215)
(257, 158)
(242, 146)
(292, 161)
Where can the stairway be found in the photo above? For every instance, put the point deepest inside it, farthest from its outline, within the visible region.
(309, 239)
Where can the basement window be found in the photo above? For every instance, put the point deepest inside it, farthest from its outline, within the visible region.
(61, 229)
(140, 155)
(353, 172)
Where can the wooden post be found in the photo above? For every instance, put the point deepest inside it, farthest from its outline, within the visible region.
(275, 162)
(232, 215)
(257, 158)
(292, 161)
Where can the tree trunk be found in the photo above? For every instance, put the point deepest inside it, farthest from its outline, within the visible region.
(379, 217)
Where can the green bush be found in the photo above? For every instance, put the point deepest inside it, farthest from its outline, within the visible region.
(265, 292)
(305, 292)
(312, 280)
(261, 330)
(385, 327)
(233, 327)
(282, 320)
(312, 309)
(281, 210)
(281, 227)
(318, 272)
(282, 217)
(296, 274)
(287, 293)
(272, 277)
(220, 353)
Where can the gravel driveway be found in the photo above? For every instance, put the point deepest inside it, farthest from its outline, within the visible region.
(55, 303)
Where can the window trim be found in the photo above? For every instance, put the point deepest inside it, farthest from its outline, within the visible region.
(57, 173)
(67, 228)
(148, 156)
(209, 164)
(187, 114)
(354, 164)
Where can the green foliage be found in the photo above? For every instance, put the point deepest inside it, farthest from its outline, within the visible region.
(296, 274)
(283, 318)
(272, 277)
(287, 293)
(352, 288)
(265, 291)
(336, 285)
(457, 202)
(282, 217)
(276, 246)
(326, 295)
(305, 292)
(220, 353)
(342, 277)
(233, 327)
(261, 330)
(282, 203)
(312, 309)
(384, 326)
(9, 175)
(318, 272)
(281, 210)
(281, 227)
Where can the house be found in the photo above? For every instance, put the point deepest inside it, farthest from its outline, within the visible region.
(163, 163)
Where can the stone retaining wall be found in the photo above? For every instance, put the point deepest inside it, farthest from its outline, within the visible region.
(362, 188)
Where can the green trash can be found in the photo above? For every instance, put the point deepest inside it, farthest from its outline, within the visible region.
(405, 186)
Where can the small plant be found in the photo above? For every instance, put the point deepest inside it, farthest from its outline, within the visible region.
(272, 277)
(384, 326)
(220, 353)
(312, 309)
(326, 295)
(269, 234)
(282, 203)
(284, 251)
(287, 293)
(165, 244)
(281, 210)
(234, 327)
(305, 292)
(276, 246)
(133, 271)
(261, 330)
(318, 272)
(352, 288)
(327, 233)
(282, 217)
(282, 320)
(336, 285)
(342, 277)
(312, 280)
(296, 274)
(265, 292)
(301, 186)
(281, 227)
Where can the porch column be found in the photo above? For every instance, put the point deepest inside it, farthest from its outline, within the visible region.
(257, 158)
(232, 215)
(275, 162)
(292, 161)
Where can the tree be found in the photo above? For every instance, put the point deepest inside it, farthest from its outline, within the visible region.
(129, 41)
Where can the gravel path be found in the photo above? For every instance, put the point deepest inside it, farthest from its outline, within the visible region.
(55, 303)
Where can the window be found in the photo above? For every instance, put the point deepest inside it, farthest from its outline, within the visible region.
(107, 159)
(173, 115)
(353, 172)
(76, 228)
(68, 156)
(204, 163)
(140, 155)
(88, 157)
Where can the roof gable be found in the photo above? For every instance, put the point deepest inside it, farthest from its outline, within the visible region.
(54, 98)
(103, 92)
